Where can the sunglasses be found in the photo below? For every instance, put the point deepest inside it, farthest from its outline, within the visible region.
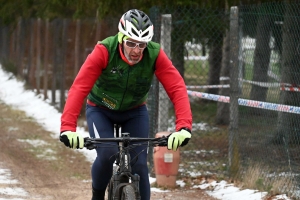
(132, 44)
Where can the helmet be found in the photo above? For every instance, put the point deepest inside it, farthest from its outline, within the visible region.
(136, 25)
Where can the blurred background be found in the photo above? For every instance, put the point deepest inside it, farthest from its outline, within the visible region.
(239, 59)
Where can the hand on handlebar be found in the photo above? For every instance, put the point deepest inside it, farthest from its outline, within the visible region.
(72, 139)
(177, 139)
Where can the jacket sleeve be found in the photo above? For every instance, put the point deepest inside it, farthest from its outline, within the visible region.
(88, 74)
(175, 87)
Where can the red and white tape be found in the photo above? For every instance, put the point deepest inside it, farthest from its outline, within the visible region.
(207, 86)
(246, 102)
(282, 86)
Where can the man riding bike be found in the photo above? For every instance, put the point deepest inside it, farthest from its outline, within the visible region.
(116, 78)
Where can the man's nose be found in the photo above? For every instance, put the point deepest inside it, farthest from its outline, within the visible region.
(136, 49)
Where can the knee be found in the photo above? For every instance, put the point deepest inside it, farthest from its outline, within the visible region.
(140, 169)
(106, 154)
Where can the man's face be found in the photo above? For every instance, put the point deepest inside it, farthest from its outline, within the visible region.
(133, 50)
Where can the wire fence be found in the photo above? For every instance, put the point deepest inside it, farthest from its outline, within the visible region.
(241, 68)
(245, 60)
(268, 127)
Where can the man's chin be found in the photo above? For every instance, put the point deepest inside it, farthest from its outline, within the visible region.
(134, 61)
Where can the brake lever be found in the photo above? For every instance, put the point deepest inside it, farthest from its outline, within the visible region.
(163, 141)
(89, 144)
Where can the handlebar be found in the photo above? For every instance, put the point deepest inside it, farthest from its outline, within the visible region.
(91, 143)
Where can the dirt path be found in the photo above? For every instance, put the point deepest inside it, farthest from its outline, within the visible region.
(46, 169)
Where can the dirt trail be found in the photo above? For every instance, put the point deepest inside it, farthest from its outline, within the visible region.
(46, 169)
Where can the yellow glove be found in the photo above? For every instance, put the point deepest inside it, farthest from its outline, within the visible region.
(179, 138)
(72, 139)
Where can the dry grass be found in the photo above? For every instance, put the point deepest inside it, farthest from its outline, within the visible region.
(258, 177)
(252, 176)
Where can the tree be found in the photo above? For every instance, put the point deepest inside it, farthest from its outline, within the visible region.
(223, 111)
(288, 124)
(262, 54)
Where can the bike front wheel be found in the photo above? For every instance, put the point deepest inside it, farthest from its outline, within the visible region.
(128, 193)
(110, 190)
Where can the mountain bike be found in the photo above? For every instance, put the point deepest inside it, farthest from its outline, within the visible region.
(123, 184)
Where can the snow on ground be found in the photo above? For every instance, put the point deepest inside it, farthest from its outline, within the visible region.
(12, 92)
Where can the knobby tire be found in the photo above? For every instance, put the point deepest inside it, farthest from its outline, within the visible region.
(128, 193)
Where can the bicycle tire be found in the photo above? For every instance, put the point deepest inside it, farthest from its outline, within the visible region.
(128, 193)
(110, 190)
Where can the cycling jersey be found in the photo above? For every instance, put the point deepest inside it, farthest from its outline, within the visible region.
(106, 60)
(121, 87)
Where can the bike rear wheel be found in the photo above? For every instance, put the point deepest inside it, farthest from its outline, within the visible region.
(128, 193)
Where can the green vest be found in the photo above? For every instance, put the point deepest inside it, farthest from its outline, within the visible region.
(121, 86)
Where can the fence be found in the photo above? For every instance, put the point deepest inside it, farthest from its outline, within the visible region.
(48, 54)
(241, 68)
(259, 50)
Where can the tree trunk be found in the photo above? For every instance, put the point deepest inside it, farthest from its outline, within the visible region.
(31, 66)
(215, 62)
(178, 43)
(46, 59)
(77, 47)
(38, 56)
(222, 117)
(288, 124)
(178, 55)
(63, 65)
(262, 54)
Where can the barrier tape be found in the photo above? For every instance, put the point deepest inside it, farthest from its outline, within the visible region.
(289, 87)
(262, 84)
(246, 102)
(282, 86)
(224, 78)
(207, 86)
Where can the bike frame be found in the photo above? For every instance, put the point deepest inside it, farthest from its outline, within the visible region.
(123, 175)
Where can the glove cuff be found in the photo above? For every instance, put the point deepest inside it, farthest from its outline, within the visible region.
(187, 129)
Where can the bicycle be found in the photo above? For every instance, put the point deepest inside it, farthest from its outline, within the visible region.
(123, 184)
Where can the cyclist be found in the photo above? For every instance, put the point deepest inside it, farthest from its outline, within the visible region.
(115, 78)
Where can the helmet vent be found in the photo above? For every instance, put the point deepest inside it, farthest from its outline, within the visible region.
(134, 32)
(136, 25)
(145, 34)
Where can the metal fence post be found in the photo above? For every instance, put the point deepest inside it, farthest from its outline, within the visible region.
(234, 90)
(163, 104)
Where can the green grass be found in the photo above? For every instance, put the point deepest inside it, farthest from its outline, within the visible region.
(196, 72)
(204, 111)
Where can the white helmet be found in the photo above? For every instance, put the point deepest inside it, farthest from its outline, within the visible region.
(136, 25)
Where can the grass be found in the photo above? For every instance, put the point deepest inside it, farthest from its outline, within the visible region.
(205, 156)
(204, 111)
(258, 176)
(254, 158)
(196, 72)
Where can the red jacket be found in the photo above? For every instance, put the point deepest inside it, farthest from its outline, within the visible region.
(92, 68)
